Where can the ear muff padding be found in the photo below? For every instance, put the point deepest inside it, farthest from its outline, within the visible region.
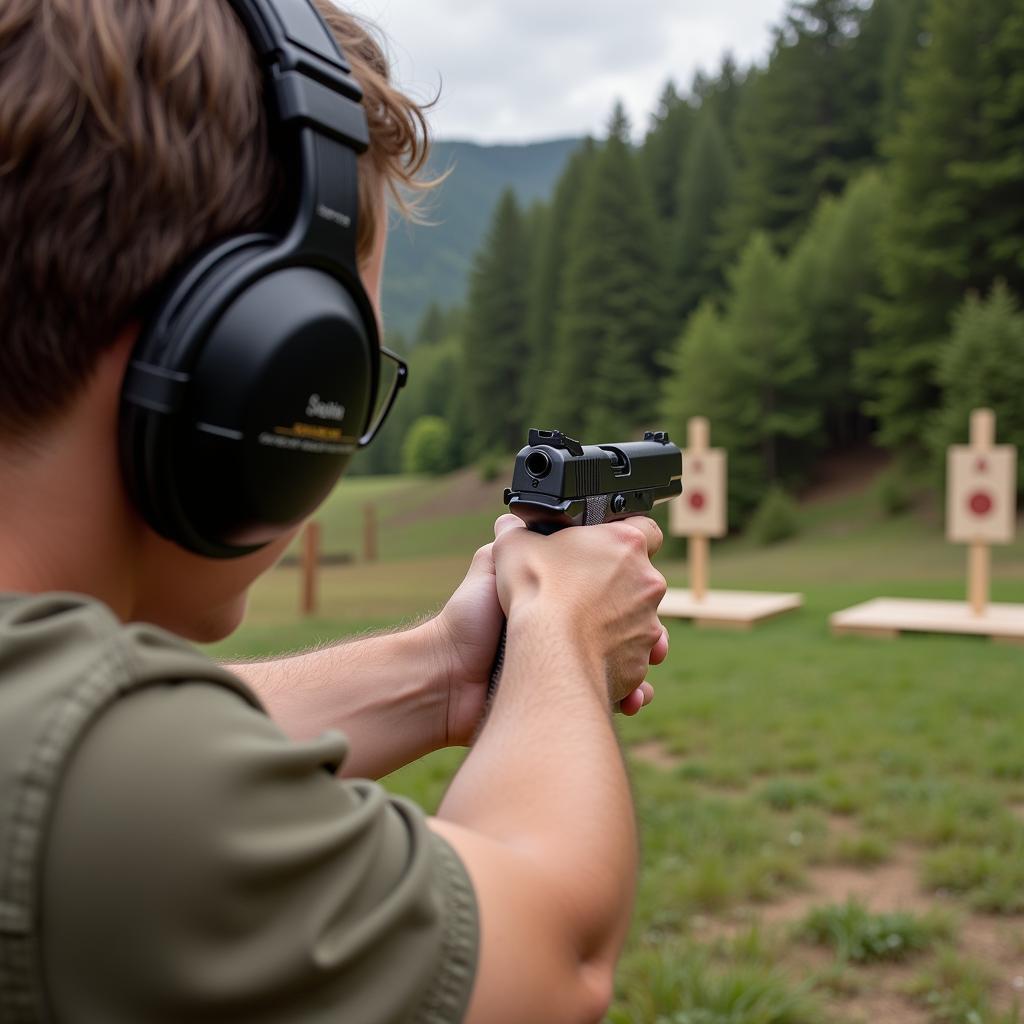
(278, 395)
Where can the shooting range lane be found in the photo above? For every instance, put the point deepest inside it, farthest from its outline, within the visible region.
(981, 510)
(700, 514)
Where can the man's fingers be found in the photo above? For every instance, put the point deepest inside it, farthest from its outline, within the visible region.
(635, 702)
(660, 650)
(631, 703)
(651, 531)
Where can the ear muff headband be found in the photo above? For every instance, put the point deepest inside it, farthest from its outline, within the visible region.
(222, 445)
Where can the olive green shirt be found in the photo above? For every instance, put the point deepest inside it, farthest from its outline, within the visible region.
(195, 864)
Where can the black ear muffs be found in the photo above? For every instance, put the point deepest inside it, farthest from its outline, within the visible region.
(255, 378)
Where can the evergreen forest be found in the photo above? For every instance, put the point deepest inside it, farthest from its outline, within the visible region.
(821, 253)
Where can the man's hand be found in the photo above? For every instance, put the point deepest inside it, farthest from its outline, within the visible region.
(466, 635)
(597, 585)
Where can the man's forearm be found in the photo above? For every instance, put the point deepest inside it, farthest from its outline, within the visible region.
(386, 693)
(546, 777)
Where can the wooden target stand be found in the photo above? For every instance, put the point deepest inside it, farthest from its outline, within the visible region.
(699, 514)
(981, 510)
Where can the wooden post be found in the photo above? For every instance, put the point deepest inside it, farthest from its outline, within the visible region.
(979, 555)
(698, 557)
(370, 533)
(979, 577)
(310, 568)
(698, 439)
(983, 429)
(698, 435)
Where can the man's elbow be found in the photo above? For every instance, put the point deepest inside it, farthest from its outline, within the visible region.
(596, 987)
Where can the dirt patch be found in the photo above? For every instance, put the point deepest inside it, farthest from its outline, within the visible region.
(878, 993)
(889, 887)
(880, 997)
(464, 493)
(656, 753)
(999, 946)
(842, 826)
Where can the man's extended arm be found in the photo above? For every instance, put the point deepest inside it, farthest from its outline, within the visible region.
(540, 812)
(389, 694)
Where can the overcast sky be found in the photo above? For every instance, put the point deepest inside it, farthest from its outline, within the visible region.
(523, 70)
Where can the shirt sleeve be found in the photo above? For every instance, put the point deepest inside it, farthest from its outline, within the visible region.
(202, 867)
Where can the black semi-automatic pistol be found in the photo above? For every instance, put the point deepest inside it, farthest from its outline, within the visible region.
(559, 482)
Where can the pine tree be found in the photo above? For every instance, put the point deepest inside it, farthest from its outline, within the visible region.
(775, 417)
(696, 382)
(495, 340)
(801, 126)
(901, 24)
(957, 222)
(982, 366)
(431, 327)
(546, 277)
(720, 94)
(664, 149)
(608, 336)
(704, 187)
(833, 274)
(749, 371)
(701, 381)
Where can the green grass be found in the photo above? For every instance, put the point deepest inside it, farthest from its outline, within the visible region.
(415, 514)
(990, 877)
(956, 991)
(865, 851)
(854, 934)
(685, 985)
(916, 743)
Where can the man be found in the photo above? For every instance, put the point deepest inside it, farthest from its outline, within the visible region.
(171, 847)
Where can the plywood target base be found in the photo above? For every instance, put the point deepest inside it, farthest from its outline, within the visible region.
(888, 617)
(727, 609)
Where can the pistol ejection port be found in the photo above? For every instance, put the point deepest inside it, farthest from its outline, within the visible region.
(538, 465)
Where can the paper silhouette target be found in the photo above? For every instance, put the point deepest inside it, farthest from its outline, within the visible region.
(701, 511)
(981, 503)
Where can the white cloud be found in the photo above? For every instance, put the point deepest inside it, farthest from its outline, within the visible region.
(520, 70)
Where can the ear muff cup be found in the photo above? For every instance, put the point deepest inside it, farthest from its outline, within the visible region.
(279, 390)
(253, 381)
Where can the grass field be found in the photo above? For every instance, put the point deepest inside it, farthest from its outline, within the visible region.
(833, 829)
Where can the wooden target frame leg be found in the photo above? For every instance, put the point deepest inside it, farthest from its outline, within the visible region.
(699, 558)
(311, 569)
(979, 577)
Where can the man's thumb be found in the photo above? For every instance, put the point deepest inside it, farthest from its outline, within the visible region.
(508, 522)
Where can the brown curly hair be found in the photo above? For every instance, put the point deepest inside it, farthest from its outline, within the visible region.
(132, 133)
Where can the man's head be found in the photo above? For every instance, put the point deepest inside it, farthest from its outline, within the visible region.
(132, 134)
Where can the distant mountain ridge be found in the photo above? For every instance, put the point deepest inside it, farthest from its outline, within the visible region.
(431, 263)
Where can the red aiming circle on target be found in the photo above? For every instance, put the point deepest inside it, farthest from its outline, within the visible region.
(697, 501)
(981, 504)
